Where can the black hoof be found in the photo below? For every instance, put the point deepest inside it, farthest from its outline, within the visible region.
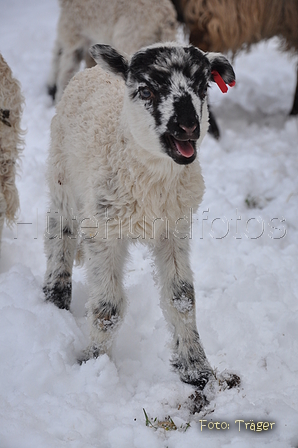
(229, 380)
(294, 111)
(92, 352)
(199, 381)
(52, 91)
(197, 402)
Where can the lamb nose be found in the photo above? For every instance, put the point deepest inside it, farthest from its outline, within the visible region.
(187, 129)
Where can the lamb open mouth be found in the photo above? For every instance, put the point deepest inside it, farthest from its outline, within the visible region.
(181, 151)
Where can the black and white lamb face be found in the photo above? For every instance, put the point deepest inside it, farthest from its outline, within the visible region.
(171, 84)
(166, 96)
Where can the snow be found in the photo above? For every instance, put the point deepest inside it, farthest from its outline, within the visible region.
(244, 257)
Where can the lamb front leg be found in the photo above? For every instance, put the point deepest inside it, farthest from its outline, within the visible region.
(104, 261)
(178, 304)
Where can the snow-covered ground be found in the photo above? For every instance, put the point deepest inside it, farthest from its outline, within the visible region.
(244, 256)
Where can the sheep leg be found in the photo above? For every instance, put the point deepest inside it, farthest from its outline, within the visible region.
(213, 126)
(106, 305)
(60, 248)
(69, 65)
(52, 81)
(294, 110)
(178, 304)
(89, 61)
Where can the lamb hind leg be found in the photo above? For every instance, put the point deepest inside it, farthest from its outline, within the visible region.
(104, 262)
(178, 303)
(60, 247)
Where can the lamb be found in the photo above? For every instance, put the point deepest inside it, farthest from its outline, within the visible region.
(233, 25)
(128, 25)
(123, 168)
(11, 142)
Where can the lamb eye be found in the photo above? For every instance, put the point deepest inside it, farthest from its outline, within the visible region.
(145, 93)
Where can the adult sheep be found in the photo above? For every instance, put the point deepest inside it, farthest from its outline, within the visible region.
(127, 25)
(11, 142)
(233, 25)
(123, 167)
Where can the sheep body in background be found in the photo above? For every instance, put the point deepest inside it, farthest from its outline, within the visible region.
(123, 167)
(233, 25)
(11, 142)
(127, 25)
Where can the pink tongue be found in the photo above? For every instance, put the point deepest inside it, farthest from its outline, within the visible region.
(185, 148)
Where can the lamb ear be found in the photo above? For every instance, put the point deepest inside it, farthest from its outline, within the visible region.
(221, 70)
(109, 59)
